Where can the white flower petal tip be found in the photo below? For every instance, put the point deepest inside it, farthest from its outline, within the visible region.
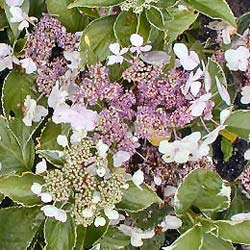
(36, 188)
(171, 222)
(120, 158)
(46, 197)
(100, 221)
(52, 211)
(224, 114)
(245, 95)
(247, 155)
(237, 59)
(188, 60)
(41, 167)
(138, 178)
(29, 65)
(62, 140)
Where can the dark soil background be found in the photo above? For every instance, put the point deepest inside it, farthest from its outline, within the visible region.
(239, 6)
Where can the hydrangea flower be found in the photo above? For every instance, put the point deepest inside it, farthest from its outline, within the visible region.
(237, 59)
(118, 54)
(138, 178)
(120, 157)
(32, 111)
(188, 60)
(41, 167)
(15, 3)
(6, 57)
(52, 211)
(245, 92)
(170, 222)
(29, 65)
(137, 44)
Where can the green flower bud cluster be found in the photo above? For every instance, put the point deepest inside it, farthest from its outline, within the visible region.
(137, 5)
(88, 193)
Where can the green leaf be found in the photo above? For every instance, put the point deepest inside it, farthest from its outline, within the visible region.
(238, 123)
(18, 227)
(18, 188)
(96, 39)
(135, 199)
(72, 19)
(155, 17)
(214, 9)
(16, 87)
(211, 242)
(94, 234)
(155, 243)
(95, 3)
(203, 189)
(80, 237)
(181, 22)
(234, 231)
(59, 235)
(14, 26)
(124, 26)
(114, 239)
(190, 240)
(14, 158)
(243, 22)
(227, 149)
(3, 20)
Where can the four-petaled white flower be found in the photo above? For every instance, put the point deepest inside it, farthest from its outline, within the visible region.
(57, 97)
(36, 188)
(99, 221)
(14, 2)
(118, 54)
(29, 65)
(237, 59)
(188, 60)
(137, 44)
(199, 105)
(170, 222)
(6, 57)
(32, 111)
(52, 211)
(41, 167)
(136, 234)
(102, 149)
(245, 92)
(74, 58)
(223, 91)
(111, 213)
(138, 178)
(120, 157)
(18, 16)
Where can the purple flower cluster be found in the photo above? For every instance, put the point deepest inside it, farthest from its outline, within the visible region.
(45, 46)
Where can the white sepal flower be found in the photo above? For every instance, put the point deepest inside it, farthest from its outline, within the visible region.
(137, 44)
(14, 2)
(170, 222)
(62, 140)
(118, 54)
(223, 91)
(237, 59)
(57, 97)
(99, 221)
(111, 213)
(241, 217)
(6, 57)
(198, 106)
(46, 197)
(138, 178)
(36, 188)
(18, 16)
(29, 65)
(32, 111)
(52, 211)
(224, 114)
(74, 58)
(245, 92)
(77, 136)
(102, 149)
(120, 157)
(41, 167)
(188, 60)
